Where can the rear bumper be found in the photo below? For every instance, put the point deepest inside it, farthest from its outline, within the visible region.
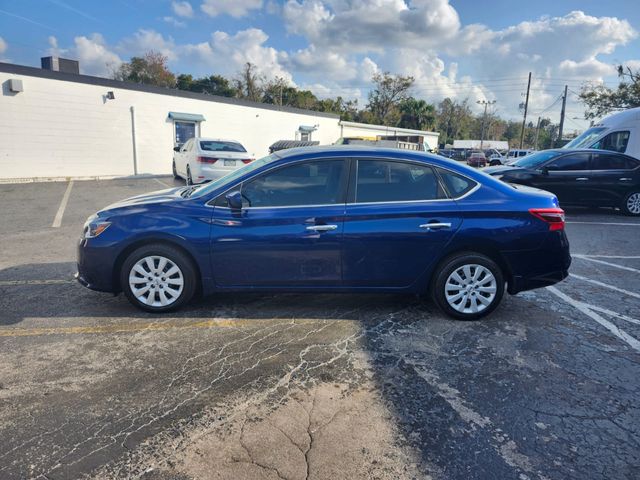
(542, 267)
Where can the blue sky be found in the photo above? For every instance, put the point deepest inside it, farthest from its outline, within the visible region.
(457, 48)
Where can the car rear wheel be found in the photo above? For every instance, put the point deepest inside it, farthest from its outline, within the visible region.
(158, 278)
(631, 204)
(175, 172)
(468, 286)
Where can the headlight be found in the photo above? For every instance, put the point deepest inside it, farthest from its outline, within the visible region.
(93, 229)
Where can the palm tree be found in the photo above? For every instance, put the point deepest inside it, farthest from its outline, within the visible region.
(417, 114)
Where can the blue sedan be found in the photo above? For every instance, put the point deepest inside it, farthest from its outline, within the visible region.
(331, 219)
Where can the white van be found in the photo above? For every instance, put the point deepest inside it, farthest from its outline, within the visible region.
(619, 132)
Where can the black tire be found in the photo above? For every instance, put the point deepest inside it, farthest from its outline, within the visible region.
(189, 179)
(174, 255)
(631, 206)
(175, 172)
(452, 264)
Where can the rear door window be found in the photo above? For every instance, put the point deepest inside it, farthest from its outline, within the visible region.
(391, 181)
(608, 161)
(456, 184)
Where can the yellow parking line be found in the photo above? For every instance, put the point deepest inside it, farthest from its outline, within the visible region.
(131, 327)
(13, 283)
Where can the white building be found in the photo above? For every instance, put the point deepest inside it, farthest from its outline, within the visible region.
(475, 144)
(56, 124)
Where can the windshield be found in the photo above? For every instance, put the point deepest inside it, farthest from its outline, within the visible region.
(215, 184)
(534, 160)
(217, 146)
(587, 138)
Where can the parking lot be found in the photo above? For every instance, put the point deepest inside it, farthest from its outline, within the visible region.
(310, 386)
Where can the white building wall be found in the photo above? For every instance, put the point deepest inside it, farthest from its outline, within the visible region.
(56, 128)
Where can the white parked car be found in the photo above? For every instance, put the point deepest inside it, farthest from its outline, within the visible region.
(202, 159)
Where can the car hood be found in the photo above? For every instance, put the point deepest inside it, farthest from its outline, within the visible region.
(501, 169)
(159, 196)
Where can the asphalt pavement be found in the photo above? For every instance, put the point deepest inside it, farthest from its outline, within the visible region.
(311, 386)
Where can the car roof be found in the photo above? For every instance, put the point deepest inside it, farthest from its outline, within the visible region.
(209, 139)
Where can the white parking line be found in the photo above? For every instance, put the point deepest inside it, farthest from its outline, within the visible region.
(607, 256)
(605, 285)
(612, 313)
(162, 183)
(607, 223)
(595, 260)
(57, 221)
(618, 332)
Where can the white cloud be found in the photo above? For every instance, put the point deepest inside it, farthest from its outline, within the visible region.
(227, 54)
(372, 25)
(144, 41)
(235, 8)
(95, 57)
(174, 21)
(182, 9)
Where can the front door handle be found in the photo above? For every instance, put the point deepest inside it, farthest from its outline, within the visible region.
(581, 179)
(625, 179)
(435, 225)
(321, 228)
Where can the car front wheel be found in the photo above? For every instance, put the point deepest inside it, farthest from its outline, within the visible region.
(158, 278)
(631, 204)
(468, 286)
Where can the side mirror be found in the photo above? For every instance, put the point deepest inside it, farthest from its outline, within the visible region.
(176, 149)
(234, 200)
(544, 170)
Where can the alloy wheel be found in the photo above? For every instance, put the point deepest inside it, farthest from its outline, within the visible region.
(633, 203)
(156, 281)
(470, 288)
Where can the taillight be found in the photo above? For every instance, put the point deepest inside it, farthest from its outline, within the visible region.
(247, 160)
(553, 216)
(207, 160)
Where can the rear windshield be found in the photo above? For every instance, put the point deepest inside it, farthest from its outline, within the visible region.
(216, 146)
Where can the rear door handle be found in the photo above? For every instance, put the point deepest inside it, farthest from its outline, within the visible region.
(625, 179)
(581, 179)
(321, 228)
(435, 225)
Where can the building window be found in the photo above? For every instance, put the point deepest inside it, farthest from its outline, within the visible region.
(184, 131)
(305, 136)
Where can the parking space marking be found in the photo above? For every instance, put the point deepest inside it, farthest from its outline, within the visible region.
(618, 332)
(57, 221)
(606, 223)
(13, 283)
(611, 313)
(595, 260)
(163, 183)
(600, 284)
(630, 257)
(178, 324)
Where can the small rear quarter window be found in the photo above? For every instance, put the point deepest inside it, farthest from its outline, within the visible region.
(457, 185)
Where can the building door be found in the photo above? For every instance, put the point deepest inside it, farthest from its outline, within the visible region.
(184, 131)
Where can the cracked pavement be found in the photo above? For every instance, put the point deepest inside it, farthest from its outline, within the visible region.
(311, 386)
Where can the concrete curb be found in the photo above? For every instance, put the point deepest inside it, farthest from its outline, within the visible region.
(67, 179)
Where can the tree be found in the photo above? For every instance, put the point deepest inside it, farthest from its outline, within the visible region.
(601, 100)
(453, 120)
(211, 85)
(417, 114)
(249, 83)
(384, 100)
(151, 69)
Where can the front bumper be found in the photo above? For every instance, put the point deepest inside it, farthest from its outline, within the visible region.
(95, 267)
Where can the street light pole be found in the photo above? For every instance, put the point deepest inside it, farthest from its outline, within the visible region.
(484, 117)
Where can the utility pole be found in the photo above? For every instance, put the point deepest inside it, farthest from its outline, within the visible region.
(526, 106)
(484, 117)
(535, 147)
(562, 112)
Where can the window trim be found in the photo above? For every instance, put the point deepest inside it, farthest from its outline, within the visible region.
(352, 165)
